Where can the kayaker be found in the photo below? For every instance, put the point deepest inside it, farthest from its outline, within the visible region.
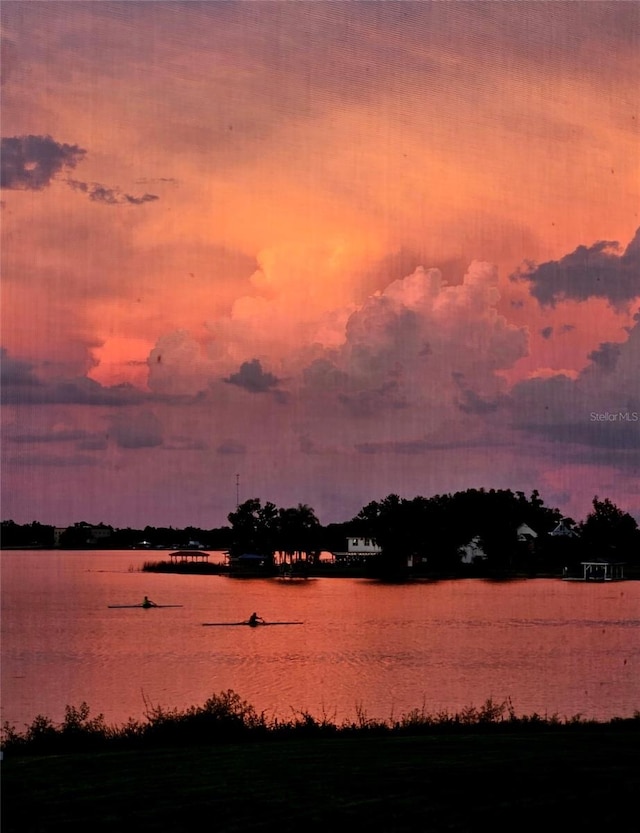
(254, 619)
(148, 603)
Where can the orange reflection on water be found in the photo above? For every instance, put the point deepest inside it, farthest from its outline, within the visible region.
(546, 645)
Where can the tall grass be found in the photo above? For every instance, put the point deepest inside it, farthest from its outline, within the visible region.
(188, 567)
(226, 717)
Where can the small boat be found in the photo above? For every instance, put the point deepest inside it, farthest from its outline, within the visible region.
(142, 605)
(249, 624)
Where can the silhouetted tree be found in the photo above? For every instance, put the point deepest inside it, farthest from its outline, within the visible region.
(610, 532)
(76, 536)
(392, 524)
(437, 527)
(254, 528)
(26, 535)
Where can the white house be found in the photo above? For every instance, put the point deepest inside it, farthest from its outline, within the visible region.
(358, 549)
(362, 546)
(472, 551)
(526, 534)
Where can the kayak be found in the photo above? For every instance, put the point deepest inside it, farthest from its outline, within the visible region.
(250, 624)
(146, 607)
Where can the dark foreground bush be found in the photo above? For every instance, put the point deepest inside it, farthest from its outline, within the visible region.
(227, 718)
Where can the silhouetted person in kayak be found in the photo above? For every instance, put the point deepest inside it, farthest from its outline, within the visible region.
(254, 619)
(148, 603)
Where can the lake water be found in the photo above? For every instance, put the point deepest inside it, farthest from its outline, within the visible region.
(551, 647)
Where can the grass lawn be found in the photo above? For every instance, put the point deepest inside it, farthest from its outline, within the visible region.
(566, 778)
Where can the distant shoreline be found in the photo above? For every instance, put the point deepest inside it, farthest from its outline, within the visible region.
(324, 569)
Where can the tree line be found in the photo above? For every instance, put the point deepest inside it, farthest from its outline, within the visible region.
(82, 535)
(432, 529)
(442, 525)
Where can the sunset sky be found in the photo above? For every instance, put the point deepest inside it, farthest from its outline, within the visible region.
(336, 249)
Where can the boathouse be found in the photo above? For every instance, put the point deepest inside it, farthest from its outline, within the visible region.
(599, 569)
(184, 556)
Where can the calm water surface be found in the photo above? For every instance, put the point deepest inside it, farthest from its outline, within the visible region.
(551, 647)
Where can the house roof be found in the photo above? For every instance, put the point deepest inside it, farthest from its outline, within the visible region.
(564, 529)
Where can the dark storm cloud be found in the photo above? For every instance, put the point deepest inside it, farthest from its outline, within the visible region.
(22, 388)
(596, 412)
(606, 356)
(471, 402)
(109, 196)
(616, 432)
(84, 391)
(19, 385)
(140, 200)
(253, 378)
(15, 373)
(31, 162)
(625, 458)
(596, 271)
(547, 332)
(323, 374)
